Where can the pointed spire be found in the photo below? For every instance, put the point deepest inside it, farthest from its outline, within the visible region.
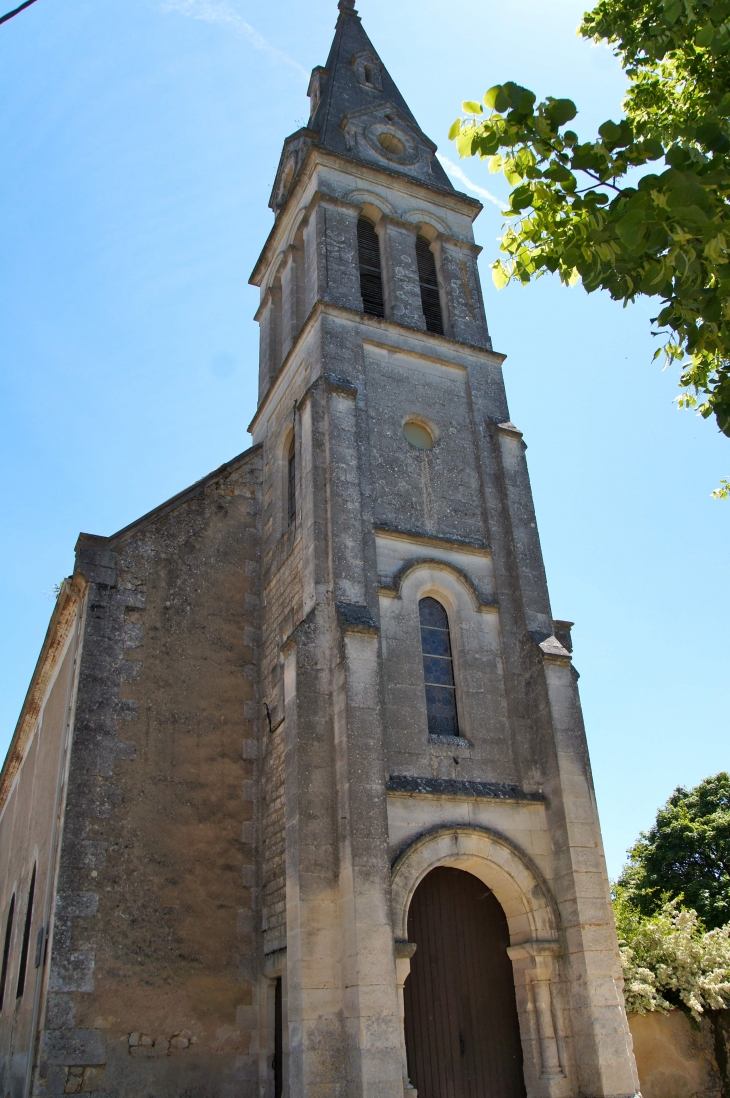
(355, 101)
(356, 111)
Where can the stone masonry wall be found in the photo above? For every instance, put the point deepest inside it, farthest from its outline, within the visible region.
(153, 951)
(679, 1058)
(282, 601)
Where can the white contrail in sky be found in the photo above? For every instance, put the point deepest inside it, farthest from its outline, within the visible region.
(458, 173)
(225, 15)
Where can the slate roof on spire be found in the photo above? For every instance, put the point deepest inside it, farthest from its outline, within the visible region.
(358, 112)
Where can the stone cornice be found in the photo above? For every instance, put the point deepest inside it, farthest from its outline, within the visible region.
(315, 156)
(376, 324)
(439, 541)
(462, 245)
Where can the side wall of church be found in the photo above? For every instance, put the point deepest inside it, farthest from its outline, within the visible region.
(152, 957)
(27, 855)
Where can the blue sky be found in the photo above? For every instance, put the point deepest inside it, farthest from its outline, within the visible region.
(139, 143)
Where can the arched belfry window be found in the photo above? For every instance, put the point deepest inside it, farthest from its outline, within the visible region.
(438, 669)
(291, 482)
(371, 273)
(428, 280)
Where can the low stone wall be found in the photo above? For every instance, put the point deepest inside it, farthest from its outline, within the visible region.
(676, 1058)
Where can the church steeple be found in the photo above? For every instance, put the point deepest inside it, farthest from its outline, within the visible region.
(356, 110)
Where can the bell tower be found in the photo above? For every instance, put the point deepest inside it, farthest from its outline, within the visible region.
(421, 709)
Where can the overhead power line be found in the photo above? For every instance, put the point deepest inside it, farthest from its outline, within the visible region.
(10, 14)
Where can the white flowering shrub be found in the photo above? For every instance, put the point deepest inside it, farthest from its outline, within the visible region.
(669, 960)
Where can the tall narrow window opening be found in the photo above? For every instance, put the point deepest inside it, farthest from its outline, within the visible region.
(428, 279)
(438, 669)
(6, 950)
(278, 1063)
(371, 273)
(292, 483)
(26, 938)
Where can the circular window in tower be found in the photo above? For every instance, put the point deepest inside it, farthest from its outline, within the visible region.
(391, 144)
(418, 434)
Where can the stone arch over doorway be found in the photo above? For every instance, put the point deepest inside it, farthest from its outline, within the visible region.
(534, 949)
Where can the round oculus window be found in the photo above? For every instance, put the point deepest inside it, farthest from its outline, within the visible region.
(418, 435)
(391, 144)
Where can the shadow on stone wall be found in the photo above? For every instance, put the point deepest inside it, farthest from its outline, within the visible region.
(677, 1058)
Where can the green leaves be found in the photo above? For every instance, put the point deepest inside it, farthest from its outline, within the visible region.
(705, 35)
(652, 148)
(497, 99)
(521, 197)
(510, 96)
(672, 11)
(631, 230)
(685, 855)
(616, 136)
(500, 275)
(560, 111)
(472, 107)
(465, 140)
(573, 213)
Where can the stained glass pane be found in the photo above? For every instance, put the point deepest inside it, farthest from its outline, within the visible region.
(441, 708)
(432, 613)
(438, 669)
(435, 642)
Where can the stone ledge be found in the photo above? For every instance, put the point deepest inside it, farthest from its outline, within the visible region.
(355, 618)
(450, 787)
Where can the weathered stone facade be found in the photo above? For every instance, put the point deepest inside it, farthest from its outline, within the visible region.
(228, 722)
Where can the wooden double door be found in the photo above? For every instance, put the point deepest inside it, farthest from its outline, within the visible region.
(462, 1031)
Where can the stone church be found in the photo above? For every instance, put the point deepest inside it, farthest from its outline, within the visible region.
(299, 803)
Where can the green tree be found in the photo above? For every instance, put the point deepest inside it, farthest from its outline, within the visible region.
(644, 209)
(684, 857)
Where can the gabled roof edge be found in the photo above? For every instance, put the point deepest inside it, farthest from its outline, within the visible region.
(68, 603)
(173, 503)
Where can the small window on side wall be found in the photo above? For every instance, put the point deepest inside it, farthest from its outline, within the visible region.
(6, 950)
(291, 483)
(23, 968)
(438, 669)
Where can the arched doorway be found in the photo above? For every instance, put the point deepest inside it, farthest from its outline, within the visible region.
(461, 1027)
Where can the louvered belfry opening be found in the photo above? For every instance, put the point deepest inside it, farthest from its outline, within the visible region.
(428, 279)
(371, 273)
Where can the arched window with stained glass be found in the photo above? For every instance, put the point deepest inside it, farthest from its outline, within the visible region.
(438, 669)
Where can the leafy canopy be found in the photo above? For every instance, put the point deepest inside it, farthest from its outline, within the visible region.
(644, 208)
(685, 856)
